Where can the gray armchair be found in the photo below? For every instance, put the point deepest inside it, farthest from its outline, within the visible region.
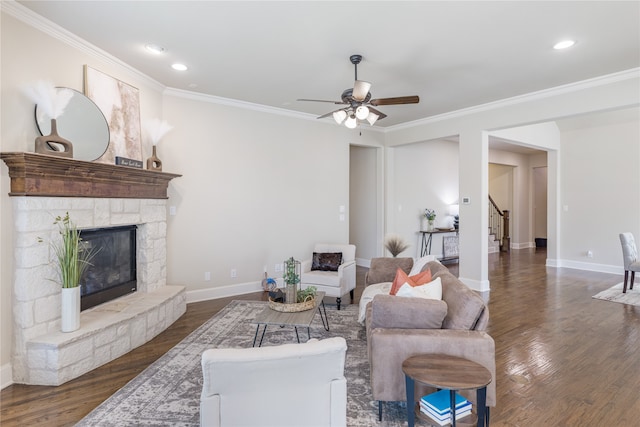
(630, 257)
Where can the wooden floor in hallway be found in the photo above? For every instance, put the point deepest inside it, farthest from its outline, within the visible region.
(562, 358)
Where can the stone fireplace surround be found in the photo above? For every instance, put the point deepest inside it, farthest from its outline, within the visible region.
(42, 354)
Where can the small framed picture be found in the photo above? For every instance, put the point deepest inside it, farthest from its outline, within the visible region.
(450, 246)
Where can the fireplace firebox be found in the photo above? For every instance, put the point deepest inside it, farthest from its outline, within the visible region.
(112, 272)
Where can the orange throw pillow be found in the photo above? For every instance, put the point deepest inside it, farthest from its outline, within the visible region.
(402, 278)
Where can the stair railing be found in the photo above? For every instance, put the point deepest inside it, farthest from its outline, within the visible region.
(499, 225)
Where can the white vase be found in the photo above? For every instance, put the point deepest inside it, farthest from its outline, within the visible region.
(70, 309)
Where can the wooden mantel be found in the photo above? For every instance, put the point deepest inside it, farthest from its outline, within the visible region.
(52, 176)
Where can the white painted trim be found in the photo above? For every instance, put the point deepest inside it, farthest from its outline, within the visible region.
(52, 29)
(521, 99)
(586, 266)
(476, 285)
(229, 102)
(223, 291)
(6, 375)
(525, 245)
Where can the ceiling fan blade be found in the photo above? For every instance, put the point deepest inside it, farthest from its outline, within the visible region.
(360, 90)
(399, 100)
(322, 100)
(380, 114)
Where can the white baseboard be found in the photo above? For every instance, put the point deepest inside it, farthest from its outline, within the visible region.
(223, 291)
(525, 245)
(587, 266)
(476, 285)
(6, 375)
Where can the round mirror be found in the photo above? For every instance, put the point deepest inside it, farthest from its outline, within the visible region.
(82, 123)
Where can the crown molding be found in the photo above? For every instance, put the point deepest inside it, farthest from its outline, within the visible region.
(218, 100)
(633, 73)
(29, 17)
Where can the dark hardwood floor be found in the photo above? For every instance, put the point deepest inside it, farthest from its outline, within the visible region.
(562, 358)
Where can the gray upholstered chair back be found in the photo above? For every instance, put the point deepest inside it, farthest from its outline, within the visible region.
(629, 249)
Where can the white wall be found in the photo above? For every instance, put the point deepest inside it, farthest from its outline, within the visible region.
(365, 203)
(425, 177)
(256, 189)
(599, 193)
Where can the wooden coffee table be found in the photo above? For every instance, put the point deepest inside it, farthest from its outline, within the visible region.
(303, 319)
(450, 373)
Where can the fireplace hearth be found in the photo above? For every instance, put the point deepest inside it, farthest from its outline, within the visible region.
(112, 272)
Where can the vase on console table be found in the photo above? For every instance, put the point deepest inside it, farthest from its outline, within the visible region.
(53, 144)
(153, 162)
(430, 224)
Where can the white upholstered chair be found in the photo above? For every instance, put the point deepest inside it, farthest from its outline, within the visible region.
(334, 283)
(630, 257)
(285, 385)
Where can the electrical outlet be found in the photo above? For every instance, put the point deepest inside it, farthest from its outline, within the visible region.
(207, 276)
(234, 272)
(589, 254)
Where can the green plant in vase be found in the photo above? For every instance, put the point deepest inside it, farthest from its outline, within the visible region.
(73, 258)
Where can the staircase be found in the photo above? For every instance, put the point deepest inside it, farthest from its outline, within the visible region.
(494, 243)
(499, 239)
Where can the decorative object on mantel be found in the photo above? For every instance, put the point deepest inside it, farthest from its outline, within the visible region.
(123, 161)
(430, 215)
(395, 244)
(120, 104)
(73, 259)
(291, 278)
(155, 129)
(51, 102)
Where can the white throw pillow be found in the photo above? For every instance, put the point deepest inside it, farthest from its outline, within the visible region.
(368, 294)
(431, 290)
(419, 264)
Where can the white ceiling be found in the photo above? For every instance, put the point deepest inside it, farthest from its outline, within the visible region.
(452, 54)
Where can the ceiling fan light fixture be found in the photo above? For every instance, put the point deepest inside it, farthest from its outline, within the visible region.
(339, 116)
(360, 90)
(351, 122)
(362, 112)
(372, 117)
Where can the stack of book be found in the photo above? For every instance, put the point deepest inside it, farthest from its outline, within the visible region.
(438, 406)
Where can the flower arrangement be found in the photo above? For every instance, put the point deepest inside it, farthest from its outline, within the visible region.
(395, 244)
(430, 214)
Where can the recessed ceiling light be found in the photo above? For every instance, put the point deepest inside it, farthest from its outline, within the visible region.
(154, 48)
(564, 44)
(179, 67)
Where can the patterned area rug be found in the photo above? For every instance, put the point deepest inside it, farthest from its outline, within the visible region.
(167, 393)
(632, 296)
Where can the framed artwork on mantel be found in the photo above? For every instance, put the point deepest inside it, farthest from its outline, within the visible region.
(120, 104)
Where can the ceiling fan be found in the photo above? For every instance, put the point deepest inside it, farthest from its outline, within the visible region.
(359, 105)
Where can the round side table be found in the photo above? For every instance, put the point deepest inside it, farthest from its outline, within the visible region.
(450, 373)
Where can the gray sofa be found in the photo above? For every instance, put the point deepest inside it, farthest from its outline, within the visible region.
(398, 328)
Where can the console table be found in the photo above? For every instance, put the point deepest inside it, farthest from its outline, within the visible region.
(427, 237)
